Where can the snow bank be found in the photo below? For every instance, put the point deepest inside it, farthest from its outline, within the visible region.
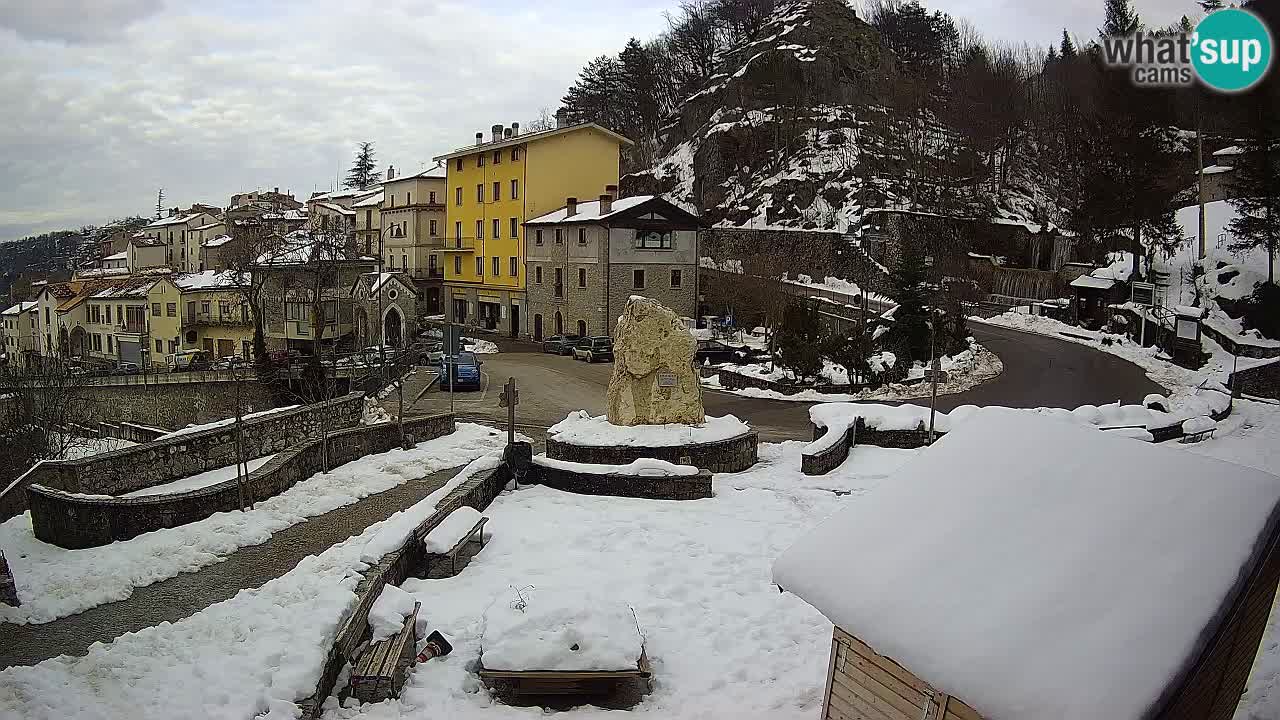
(387, 615)
(642, 467)
(54, 582)
(223, 423)
(1065, 574)
(451, 530)
(1198, 425)
(566, 630)
(480, 347)
(581, 428)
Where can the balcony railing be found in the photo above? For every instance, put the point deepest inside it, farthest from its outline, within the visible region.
(198, 319)
(459, 245)
(133, 328)
(436, 273)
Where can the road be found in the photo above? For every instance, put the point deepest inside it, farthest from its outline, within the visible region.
(1040, 371)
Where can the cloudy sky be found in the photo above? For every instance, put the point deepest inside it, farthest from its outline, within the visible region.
(110, 100)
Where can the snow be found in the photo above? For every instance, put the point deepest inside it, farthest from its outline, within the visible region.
(581, 428)
(387, 615)
(54, 582)
(458, 525)
(1065, 573)
(1094, 283)
(1217, 169)
(83, 447)
(480, 347)
(19, 308)
(211, 279)
(642, 467)
(589, 211)
(1198, 424)
(571, 630)
(195, 428)
(203, 480)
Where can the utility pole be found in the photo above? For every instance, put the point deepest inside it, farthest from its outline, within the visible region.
(935, 368)
(1200, 182)
(160, 203)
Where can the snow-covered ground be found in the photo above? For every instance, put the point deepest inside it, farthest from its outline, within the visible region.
(195, 482)
(581, 428)
(54, 582)
(82, 447)
(253, 655)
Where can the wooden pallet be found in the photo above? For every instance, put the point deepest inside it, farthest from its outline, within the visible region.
(380, 671)
(561, 682)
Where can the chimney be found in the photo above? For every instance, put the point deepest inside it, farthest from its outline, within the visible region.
(391, 172)
(612, 190)
(570, 207)
(606, 204)
(276, 191)
(506, 133)
(562, 118)
(497, 132)
(515, 129)
(479, 138)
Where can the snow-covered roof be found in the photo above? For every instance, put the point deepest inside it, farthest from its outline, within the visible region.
(145, 241)
(218, 241)
(211, 280)
(101, 272)
(373, 200)
(346, 193)
(1229, 151)
(175, 220)
(1038, 564)
(301, 247)
(436, 171)
(299, 214)
(532, 137)
(1093, 283)
(334, 207)
(1217, 170)
(208, 226)
(122, 255)
(19, 308)
(134, 289)
(589, 211)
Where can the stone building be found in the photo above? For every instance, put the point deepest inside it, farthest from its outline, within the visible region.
(386, 306)
(586, 259)
(412, 232)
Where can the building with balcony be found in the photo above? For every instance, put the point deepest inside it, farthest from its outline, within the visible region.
(586, 258)
(215, 313)
(413, 221)
(492, 188)
(193, 245)
(172, 230)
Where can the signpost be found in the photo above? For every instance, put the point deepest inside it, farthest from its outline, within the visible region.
(452, 336)
(509, 399)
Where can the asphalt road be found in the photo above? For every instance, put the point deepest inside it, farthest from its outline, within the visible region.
(1039, 371)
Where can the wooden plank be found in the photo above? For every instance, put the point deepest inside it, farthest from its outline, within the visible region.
(886, 664)
(867, 700)
(901, 689)
(959, 710)
(856, 678)
(851, 704)
(831, 668)
(558, 675)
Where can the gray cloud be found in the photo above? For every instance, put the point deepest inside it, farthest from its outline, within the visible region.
(74, 21)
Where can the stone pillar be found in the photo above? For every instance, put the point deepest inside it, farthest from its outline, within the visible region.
(654, 381)
(8, 591)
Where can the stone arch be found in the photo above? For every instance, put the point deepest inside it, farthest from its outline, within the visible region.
(559, 323)
(393, 327)
(582, 328)
(78, 342)
(537, 326)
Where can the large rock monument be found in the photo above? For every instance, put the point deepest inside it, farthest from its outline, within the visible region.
(654, 381)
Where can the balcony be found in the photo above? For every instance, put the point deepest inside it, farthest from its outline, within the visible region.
(435, 273)
(212, 319)
(133, 327)
(458, 245)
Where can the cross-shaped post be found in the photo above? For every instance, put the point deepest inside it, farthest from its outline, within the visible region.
(509, 399)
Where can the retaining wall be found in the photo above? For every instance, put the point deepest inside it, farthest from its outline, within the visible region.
(1236, 347)
(677, 487)
(392, 569)
(79, 521)
(123, 471)
(1263, 381)
(737, 381)
(724, 456)
(170, 405)
(824, 461)
(132, 432)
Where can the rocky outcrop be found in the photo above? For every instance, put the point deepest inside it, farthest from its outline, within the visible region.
(653, 381)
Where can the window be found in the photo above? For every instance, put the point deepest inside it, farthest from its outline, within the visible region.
(559, 282)
(676, 279)
(457, 196)
(582, 236)
(224, 308)
(582, 328)
(108, 314)
(515, 189)
(120, 314)
(582, 277)
(97, 342)
(515, 154)
(173, 346)
(537, 274)
(433, 227)
(457, 165)
(159, 346)
(497, 266)
(497, 228)
(204, 307)
(479, 229)
(479, 159)
(171, 309)
(559, 236)
(637, 279)
(497, 190)
(457, 264)
(515, 227)
(653, 239)
(480, 266)
(110, 345)
(537, 236)
(480, 192)
(457, 232)
(497, 157)
(393, 200)
(515, 267)
(408, 198)
(155, 312)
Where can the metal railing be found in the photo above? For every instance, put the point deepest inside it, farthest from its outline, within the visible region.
(212, 318)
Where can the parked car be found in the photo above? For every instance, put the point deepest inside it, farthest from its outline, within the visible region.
(560, 344)
(716, 352)
(230, 362)
(185, 360)
(592, 349)
(465, 373)
(128, 368)
(429, 353)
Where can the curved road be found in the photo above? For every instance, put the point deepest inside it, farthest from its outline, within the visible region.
(1039, 371)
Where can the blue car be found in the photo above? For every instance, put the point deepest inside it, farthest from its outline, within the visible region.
(466, 372)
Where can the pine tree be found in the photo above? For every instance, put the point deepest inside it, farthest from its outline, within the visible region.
(1068, 50)
(800, 341)
(1121, 19)
(910, 320)
(1255, 184)
(1051, 59)
(362, 174)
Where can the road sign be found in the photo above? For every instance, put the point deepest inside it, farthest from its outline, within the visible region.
(452, 338)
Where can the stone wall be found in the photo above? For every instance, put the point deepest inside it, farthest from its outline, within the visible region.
(129, 469)
(905, 439)
(725, 456)
(657, 286)
(824, 461)
(1235, 346)
(132, 432)
(8, 591)
(687, 487)
(1263, 381)
(78, 521)
(478, 492)
(170, 405)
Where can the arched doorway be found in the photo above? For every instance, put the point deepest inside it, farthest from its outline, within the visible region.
(582, 328)
(79, 341)
(559, 323)
(393, 328)
(537, 326)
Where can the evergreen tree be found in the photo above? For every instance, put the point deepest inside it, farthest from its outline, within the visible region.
(362, 174)
(1068, 50)
(800, 341)
(1051, 58)
(1121, 19)
(911, 318)
(596, 95)
(1255, 184)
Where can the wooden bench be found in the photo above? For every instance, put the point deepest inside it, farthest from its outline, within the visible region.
(476, 531)
(380, 671)
(556, 682)
(1198, 436)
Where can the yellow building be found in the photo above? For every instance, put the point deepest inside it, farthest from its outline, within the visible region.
(491, 189)
(164, 320)
(215, 314)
